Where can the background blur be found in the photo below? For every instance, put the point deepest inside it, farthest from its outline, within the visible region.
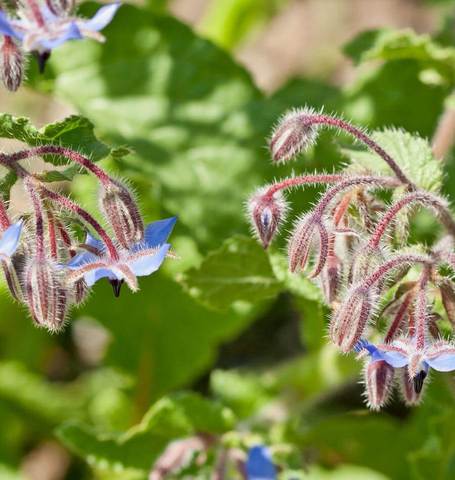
(196, 115)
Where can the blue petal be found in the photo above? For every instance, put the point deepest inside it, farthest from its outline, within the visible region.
(6, 28)
(101, 18)
(259, 465)
(94, 243)
(93, 276)
(442, 363)
(10, 239)
(72, 33)
(395, 359)
(157, 233)
(81, 259)
(150, 263)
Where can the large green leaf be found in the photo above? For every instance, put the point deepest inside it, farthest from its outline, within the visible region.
(239, 271)
(135, 451)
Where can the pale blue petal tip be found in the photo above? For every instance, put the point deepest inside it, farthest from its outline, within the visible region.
(150, 263)
(442, 363)
(102, 18)
(9, 240)
(157, 233)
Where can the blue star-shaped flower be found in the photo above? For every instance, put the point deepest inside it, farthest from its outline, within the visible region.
(54, 29)
(142, 259)
(259, 465)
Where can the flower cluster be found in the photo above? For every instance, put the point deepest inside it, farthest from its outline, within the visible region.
(347, 239)
(39, 26)
(48, 267)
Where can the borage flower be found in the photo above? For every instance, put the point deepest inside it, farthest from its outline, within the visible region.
(141, 259)
(404, 352)
(9, 240)
(41, 27)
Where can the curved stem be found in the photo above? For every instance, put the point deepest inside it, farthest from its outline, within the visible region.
(421, 309)
(319, 118)
(4, 219)
(72, 155)
(85, 216)
(303, 180)
(395, 262)
(425, 199)
(351, 182)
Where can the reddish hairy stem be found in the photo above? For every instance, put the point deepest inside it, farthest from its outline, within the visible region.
(52, 234)
(85, 216)
(398, 320)
(36, 12)
(76, 157)
(331, 193)
(395, 262)
(362, 137)
(4, 219)
(303, 180)
(423, 198)
(421, 309)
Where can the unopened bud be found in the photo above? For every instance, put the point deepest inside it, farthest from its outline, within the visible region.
(411, 388)
(379, 378)
(122, 212)
(12, 64)
(350, 320)
(331, 278)
(11, 270)
(447, 291)
(309, 234)
(60, 8)
(266, 213)
(46, 296)
(294, 133)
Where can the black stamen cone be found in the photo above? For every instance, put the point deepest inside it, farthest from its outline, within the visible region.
(42, 59)
(418, 381)
(116, 286)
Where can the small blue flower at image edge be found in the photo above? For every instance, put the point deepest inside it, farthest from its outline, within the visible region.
(259, 465)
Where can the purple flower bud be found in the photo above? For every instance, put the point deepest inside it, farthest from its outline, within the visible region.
(122, 212)
(351, 318)
(294, 133)
(12, 64)
(266, 213)
(309, 233)
(411, 388)
(379, 378)
(11, 270)
(46, 297)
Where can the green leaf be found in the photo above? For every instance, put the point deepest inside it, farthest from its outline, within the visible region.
(385, 44)
(412, 153)
(239, 271)
(135, 451)
(74, 132)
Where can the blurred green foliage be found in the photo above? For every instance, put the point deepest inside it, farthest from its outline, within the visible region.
(196, 125)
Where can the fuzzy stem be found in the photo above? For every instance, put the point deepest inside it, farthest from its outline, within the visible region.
(85, 216)
(319, 118)
(52, 233)
(35, 12)
(4, 219)
(331, 193)
(395, 262)
(302, 180)
(72, 155)
(421, 309)
(398, 319)
(425, 199)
